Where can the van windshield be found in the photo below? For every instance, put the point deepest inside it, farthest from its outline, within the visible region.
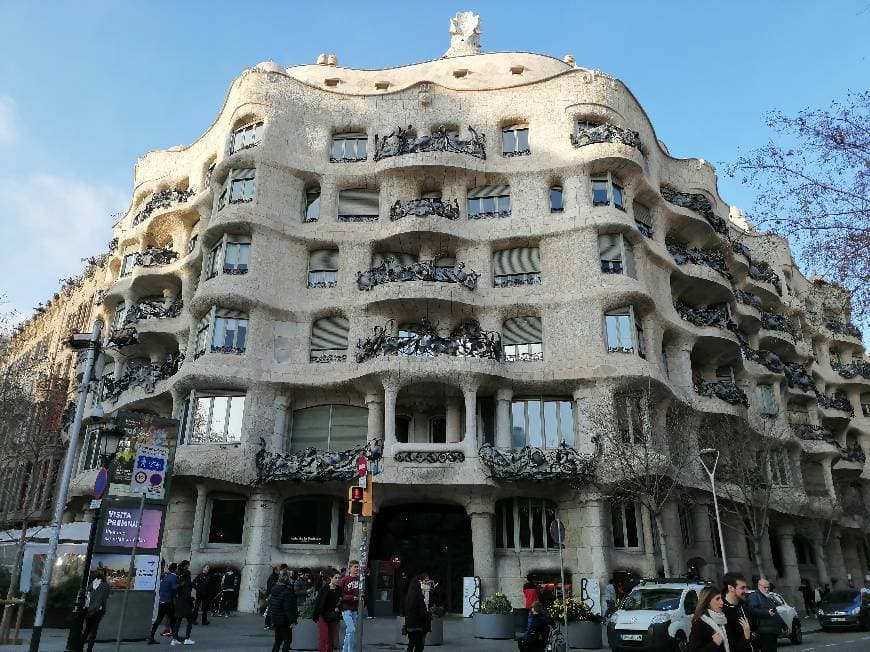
(655, 599)
(835, 597)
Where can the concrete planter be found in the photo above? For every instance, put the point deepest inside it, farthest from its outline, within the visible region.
(498, 626)
(584, 635)
(305, 635)
(434, 637)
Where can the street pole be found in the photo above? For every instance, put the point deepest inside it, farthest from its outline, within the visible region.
(63, 488)
(361, 610)
(74, 641)
(131, 572)
(712, 474)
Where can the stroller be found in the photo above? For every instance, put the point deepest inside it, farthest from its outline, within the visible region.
(555, 642)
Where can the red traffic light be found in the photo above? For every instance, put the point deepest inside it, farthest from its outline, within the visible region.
(356, 494)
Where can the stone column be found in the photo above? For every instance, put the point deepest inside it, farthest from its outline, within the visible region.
(829, 479)
(503, 398)
(791, 573)
(259, 520)
(836, 563)
(196, 534)
(680, 365)
(593, 551)
(375, 404)
(469, 443)
(704, 539)
(582, 441)
(821, 561)
(454, 421)
(483, 544)
(649, 554)
(279, 431)
(390, 395)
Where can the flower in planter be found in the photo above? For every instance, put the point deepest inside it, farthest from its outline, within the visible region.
(306, 609)
(496, 604)
(578, 611)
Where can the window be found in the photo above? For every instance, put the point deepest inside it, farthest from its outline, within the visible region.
(403, 428)
(519, 266)
(194, 237)
(767, 405)
(542, 422)
(323, 268)
(664, 360)
(230, 256)
(90, 452)
(524, 523)
(329, 427)
(438, 430)
(643, 219)
(522, 339)
(128, 263)
(358, 205)
(616, 254)
(209, 173)
(214, 419)
(312, 204)
(557, 204)
(329, 339)
(798, 414)
(226, 519)
(241, 186)
(632, 417)
(624, 332)
(315, 521)
(202, 331)
(489, 201)
(118, 319)
(248, 136)
(865, 404)
(779, 467)
(515, 141)
(687, 525)
(606, 190)
(725, 374)
(230, 331)
(348, 147)
(625, 523)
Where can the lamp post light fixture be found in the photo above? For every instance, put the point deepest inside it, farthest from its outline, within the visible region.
(711, 472)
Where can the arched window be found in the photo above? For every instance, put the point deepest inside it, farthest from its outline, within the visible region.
(523, 524)
(313, 521)
(246, 136)
(329, 339)
(329, 427)
(312, 204)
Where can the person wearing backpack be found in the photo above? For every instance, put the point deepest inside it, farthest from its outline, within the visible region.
(327, 613)
(284, 611)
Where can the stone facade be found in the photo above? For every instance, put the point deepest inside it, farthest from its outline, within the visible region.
(252, 257)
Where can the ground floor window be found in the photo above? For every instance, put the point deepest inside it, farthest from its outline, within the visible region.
(523, 524)
(226, 519)
(315, 521)
(626, 524)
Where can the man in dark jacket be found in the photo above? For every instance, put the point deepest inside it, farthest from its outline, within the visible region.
(183, 608)
(283, 611)
(166, 608)
(204, 585)
(270, 584)
(766, 623)
(95, 606)
(733, 597)
(537, 630)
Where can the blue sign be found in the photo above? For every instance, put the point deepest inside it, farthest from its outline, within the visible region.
(149, 463)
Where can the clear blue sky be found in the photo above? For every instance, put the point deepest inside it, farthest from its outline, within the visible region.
(88, 86)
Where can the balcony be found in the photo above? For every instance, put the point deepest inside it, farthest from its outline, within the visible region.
(843, 328)
(724, 390)
(589, 134)
(810, 432)
(697, 203)
(466, 340)
(761, 271)
(423, 270)
(538, 464)
(425, 207)
(773, 321)
(748, 299)
(853, 453)
(741, 249)
(127, 335)
(155, 257)
(711, 258)
(716, 316)
(153, 309)
(326, 356)
(162, 199)
(835, 401)
(516, 280)
(404, 141)
(853, 369)
(313, 464)
(144, 375)
(799, 378)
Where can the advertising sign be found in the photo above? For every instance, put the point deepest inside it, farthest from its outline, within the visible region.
(119, 527)
(117, 569)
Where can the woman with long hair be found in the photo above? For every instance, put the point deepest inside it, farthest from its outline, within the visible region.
(327, 613)
(709, 624)
(418, 620)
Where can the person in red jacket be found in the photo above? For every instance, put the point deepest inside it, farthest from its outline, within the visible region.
(349, 585)
(530, 592)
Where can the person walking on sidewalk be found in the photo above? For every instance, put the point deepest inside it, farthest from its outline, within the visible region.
(270, 584)
(284, 612)
(229, 591)
(809, 598)
(537, 630)
(350, 585)
(183, 609)
(709, 625)
(95, 607)
(166, 596)
(418, 621)
(530, 592)
(204, 585)
(327, 613)
(734, 595)
(766, 622)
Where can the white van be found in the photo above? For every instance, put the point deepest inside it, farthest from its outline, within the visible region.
(656, 617)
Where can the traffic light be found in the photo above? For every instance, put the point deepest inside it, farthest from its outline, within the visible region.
(359, 500)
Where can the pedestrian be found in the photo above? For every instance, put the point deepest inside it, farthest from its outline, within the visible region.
(204, 585)
(304, 585)
(530, 591)
(766, 622)
(817, 595)
(95, 607)
(270, 584)
(609, 597)
(809, 597)
(284, 610)
(327, 613)
(166, 598)
(183, 609)
(537, 632)
(320, 581)
(418, 621)
(350, 585)
(737, 628)
(229, 594)
(709, 624)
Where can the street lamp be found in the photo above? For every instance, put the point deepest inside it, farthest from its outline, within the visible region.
(711, 472)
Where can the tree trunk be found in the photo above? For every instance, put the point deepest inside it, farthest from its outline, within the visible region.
(663, 544)
(756, 556)
(14, 581)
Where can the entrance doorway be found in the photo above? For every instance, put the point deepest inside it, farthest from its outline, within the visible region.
(421, 538)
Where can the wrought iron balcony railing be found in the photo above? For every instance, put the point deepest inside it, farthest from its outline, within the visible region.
(716, 316)
(313, 464)
(155, 257)
(697, 203)
(853, 453)
(761, 271)
(142, 374)
(722, 389)
(775, 322)
(853, 369)
(153, 309)
(537, 464)
(162, 199)
(748, 299)
(810, 432)
(422, 270)
(467, 340)
(326, 356)
(404, 141)
(645, 229)
(742, 249)
(590, 134)
(711, 258)
(124, 336)
(425, 207)
(835, 401)
(843, 328)
(430, 457)
(797, 376)
(516, 280)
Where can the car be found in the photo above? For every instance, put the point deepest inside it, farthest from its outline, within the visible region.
(845, 608)
(789, 615)
(655, 617)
